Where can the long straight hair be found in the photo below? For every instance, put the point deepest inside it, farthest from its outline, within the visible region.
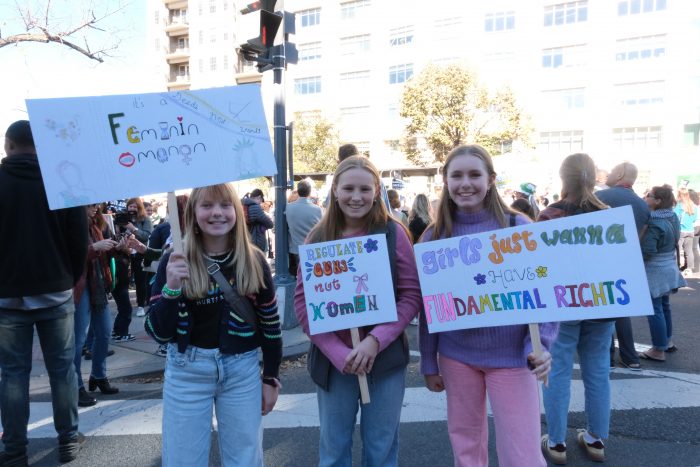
(577, 174)
(442, 226)
(685, 201)
(246, 259)
(332, 224)
(421, 209)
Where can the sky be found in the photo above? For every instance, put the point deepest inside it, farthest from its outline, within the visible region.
(40, 70)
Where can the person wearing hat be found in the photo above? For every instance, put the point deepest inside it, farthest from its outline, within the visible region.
(527, 191)
(44, 256)
(258, 222)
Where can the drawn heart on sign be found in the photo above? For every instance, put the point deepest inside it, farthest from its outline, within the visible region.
(179, 119)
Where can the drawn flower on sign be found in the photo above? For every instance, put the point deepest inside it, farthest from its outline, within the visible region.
(371, 245)
(309, 270)
(541, 271)
(480, 279)
(350, 265)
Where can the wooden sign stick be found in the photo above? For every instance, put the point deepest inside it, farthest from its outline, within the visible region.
(536, 343)
(364, 389)
(174, 219)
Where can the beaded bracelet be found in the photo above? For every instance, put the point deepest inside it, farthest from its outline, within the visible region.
(170, 292)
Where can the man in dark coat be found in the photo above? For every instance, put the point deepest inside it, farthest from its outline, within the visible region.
(44, 253)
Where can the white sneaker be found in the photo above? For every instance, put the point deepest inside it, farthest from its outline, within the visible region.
(140, 312)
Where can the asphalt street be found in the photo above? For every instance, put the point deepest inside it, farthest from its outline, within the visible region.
(654, 421)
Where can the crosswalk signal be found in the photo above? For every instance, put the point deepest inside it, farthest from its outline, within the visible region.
(259, 18)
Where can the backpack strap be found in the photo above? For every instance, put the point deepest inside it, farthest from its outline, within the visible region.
(512, 219)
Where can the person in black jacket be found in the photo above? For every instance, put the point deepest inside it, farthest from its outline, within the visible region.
(44, 253)
(258, 222)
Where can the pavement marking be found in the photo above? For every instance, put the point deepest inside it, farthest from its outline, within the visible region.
(653, 390)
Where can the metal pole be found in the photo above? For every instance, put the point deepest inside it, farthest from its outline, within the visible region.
(284, 282)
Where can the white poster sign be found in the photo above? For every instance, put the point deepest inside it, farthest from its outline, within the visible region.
(93, 149)
(581, 267)
(347, 283)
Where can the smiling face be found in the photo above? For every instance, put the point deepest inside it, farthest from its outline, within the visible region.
(355, 192)
(215, 217)
(468, 181)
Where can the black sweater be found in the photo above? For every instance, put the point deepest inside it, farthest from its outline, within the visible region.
(43, 251)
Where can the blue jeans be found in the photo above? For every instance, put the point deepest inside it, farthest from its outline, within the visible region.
(99, 321)
(55, 329)
(592, 342)
(660, 325)
(379, 423)
(198, 381)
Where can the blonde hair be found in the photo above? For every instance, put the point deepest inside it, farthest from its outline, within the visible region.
(421, 209)
(442, 226)
(246, 260)
(685, 201)
(331, 225)
(577, 173)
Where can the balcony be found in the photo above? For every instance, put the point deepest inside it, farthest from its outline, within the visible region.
(175, 4)
(178, 55)
(177, 27)
(178, 82)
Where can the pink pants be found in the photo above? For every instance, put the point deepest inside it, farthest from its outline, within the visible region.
(515, 402)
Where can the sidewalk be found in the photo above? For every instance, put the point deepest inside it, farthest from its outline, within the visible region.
(138, 356)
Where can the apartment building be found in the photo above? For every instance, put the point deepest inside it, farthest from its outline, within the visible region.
(617, 79)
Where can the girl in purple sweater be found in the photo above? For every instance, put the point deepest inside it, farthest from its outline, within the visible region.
(355, 208)
(498, 360)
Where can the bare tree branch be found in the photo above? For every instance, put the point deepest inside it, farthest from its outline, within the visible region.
(44, 30)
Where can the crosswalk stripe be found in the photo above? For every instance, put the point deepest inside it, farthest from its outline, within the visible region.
(139, 416)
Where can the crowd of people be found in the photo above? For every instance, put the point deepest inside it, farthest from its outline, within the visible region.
(212, 306)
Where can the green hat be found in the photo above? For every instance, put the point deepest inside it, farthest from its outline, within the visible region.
(528, 188)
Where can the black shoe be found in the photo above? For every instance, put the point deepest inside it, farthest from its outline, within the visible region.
(110, 352)
(85, 399)
(16, 460)
(124, 338)
(88, 355)
(103, 384)
(68, 451)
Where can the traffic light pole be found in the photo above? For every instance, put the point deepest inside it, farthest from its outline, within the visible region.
(284, 282)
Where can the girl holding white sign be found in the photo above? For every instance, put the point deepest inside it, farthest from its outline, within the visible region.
(214, 305)
(356, 209)
(470, 363)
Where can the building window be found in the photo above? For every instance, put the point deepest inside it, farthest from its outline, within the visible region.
(400, 73)
(566, 13)
(640, 48)
(225, 36)
(183, 43)
(212, 37)
(212, 63)
(183, 70)
(349, 10)
(201, 37)
(501, 21)
(401, 36)
(310, 85)
(354, 45)
(157, 16)
(225, 3)
(354, 113)
(225, 62)
(310, 17)
(447, 29)
(309, 51)
(565, 99)
(561, 142)
(635, 7)
(637, 137)
(357, 80)
(691, 134)
(569, 57)
(362, 148)
(212, 6)
(201, 65)
(157, 45)
(645, 93)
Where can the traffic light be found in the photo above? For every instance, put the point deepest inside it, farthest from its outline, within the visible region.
(260, 21)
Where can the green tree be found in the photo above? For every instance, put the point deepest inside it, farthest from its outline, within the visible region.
(316, 144)
(448, 106)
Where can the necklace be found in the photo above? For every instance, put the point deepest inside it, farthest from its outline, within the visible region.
(219, 261)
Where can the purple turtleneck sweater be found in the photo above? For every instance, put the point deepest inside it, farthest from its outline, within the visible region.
(493, 347)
